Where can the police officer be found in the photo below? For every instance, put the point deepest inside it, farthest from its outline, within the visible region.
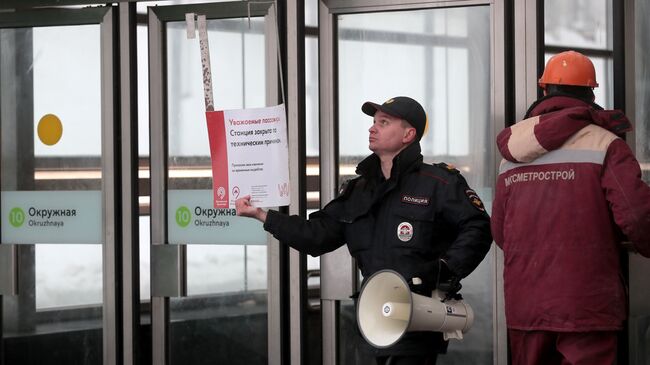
(420, 220)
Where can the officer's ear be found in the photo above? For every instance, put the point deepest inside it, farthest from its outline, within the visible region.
(409, 135)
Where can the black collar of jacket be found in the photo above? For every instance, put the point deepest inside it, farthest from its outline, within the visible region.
(541, 107)
(408, 159)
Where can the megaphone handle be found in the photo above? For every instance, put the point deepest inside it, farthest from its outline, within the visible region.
(457, 334)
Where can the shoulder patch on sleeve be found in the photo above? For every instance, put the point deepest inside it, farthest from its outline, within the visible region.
(344, 187)
(347, 186)
(434, 172)
(474, 199)
(447, 167)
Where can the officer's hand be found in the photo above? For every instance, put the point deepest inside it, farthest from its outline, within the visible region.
(448, 281)
(451, 289)
(245, 208)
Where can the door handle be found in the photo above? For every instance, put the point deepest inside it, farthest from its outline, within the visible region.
(168, 270)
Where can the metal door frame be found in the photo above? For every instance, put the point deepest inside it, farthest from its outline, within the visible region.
(638, 266)
(338, 270)
(106, 18)
(160, 295)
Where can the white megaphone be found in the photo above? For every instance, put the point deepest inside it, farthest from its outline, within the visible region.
(387, 309)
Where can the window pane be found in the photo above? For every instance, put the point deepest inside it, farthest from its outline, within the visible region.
(238, 79)
(312, 135)
(50, 111)
(642, 63)
(68, 275)
(311, 13)
(225, 268)
(238, 72)
(143, 91)
(145, 258)
(578, 23)
(586, 25)
(226, 311)
(65, 85)
(311, 96)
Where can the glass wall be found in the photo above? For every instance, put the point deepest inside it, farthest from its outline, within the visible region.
(441, 58)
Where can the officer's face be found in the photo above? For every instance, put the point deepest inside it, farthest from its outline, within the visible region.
(388, 134)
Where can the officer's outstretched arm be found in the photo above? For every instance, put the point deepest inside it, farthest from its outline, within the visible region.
(314, 236)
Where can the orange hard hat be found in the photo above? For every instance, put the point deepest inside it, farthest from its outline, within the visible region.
(569, 68)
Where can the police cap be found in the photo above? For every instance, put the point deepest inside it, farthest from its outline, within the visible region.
(401, 107)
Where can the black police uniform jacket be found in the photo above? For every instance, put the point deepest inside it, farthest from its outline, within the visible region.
(421, 214)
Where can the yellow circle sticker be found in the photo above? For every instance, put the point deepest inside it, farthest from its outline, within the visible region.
(50, 129)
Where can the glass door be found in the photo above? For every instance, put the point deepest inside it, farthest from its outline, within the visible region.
(211, 271)
(58, 187)
(443, 54)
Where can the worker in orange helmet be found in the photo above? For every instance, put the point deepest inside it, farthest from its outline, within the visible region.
(569, 191)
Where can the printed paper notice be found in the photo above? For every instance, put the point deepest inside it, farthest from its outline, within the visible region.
(250, 156)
